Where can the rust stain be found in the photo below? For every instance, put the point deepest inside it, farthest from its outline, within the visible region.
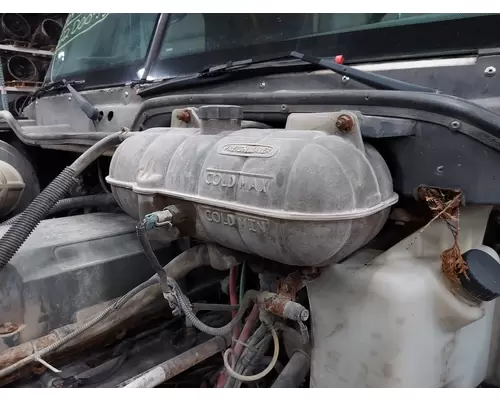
(45, 341)
(276, 305)
(184, 116)
(344, 123)
(8, 327)
(290, 285)
(15, 354)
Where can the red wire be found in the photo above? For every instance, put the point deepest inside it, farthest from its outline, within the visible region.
(238, 348)
(233, 299)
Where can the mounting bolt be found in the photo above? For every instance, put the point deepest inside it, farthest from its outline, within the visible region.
(455, 125)
(184, 116)
(344, 123)
(490, 71)
(262, 85)
(345, 79)
(284, 108)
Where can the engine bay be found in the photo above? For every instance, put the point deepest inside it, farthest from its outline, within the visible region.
(273, 237)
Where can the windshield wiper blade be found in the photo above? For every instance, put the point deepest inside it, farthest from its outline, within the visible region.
(56, 85)
(368, 78)
(219, 72)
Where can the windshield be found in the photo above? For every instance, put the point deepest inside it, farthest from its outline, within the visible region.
(109, 49)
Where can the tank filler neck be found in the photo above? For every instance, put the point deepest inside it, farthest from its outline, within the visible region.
(219, 118)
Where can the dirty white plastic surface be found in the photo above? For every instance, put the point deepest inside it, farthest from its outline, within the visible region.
(395, 322)
(307, 195)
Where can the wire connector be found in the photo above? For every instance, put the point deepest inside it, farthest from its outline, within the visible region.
(158, 219)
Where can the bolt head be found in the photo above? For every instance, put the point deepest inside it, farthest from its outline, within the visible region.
(490, 71)
(184, 116)
(455, 125)
(344, 123)
(262, 85)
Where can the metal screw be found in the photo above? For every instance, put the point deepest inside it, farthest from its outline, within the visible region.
(284, 108)
(69, 98)
(345, 79)
(454, 125)
(490, 71)
(262, 85)
(126, 94)
(344, 123)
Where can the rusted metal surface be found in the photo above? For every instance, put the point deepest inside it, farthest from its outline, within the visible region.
(193, 356)
(276, 304)
(282, 306)
(344, 123)
(184, 116)
(8, 327)
(289, 286)
(15, 354)
(168, 369)
(24, 350)
(146, 306)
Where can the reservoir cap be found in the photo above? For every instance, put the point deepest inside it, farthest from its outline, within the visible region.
(483, 274)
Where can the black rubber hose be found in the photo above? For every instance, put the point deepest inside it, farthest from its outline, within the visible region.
(294, 372)
(94, 200)
(55, 191)
(34, 213)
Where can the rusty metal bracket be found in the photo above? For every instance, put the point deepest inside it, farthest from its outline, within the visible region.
(289, 286)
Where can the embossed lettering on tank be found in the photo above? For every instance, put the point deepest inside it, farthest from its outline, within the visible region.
(248, 150)
(241, 221)
(246, 181)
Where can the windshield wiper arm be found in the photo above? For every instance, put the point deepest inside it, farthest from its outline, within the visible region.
(368, 78)
(90, 111)
(217, 73)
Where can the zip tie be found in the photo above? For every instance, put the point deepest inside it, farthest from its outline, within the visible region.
(46, 364)
(248, 346)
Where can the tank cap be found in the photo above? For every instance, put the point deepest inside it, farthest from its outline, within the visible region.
(483, 273)
(222, 112)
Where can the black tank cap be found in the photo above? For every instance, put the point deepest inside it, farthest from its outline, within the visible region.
(483, 274)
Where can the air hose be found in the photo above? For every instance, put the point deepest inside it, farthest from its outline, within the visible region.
(55, 191)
